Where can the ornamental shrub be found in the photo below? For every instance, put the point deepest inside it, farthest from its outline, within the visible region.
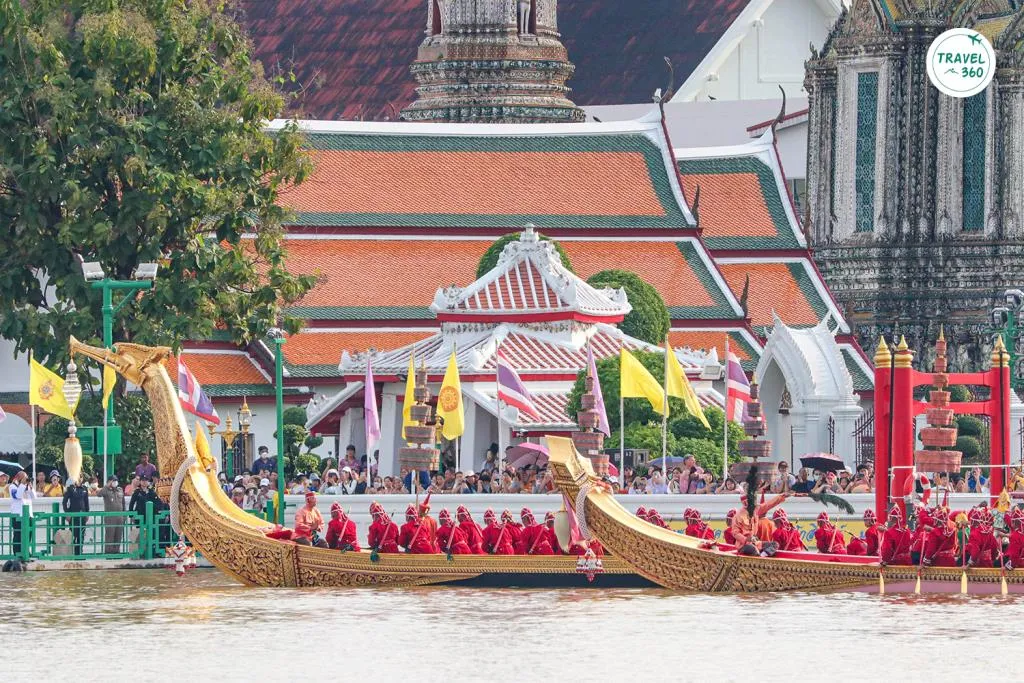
(649, 319)
(490, 257)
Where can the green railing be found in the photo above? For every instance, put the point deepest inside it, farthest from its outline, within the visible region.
(78, 536)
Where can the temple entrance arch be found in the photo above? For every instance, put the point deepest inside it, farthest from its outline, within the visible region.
(808, 366)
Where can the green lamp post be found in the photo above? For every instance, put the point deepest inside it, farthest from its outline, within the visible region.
(142, 279)
(1006, 319)
(277, 334)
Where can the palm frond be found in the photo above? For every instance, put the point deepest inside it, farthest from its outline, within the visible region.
(833, 500)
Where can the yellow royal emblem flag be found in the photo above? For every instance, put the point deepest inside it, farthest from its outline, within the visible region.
(676, 384)
(410, 396)
(449, 402)
(46, 390)
(637, 382)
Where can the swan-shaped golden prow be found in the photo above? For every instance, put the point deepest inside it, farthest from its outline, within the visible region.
(130, 360)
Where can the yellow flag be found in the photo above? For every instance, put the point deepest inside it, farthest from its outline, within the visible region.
(449, 402)
(109, 381)
(676, 384)
(636, 382)
(203, 454)
(410, 398)
(46, 390)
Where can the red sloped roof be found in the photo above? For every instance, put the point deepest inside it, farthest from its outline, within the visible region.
(353, 56)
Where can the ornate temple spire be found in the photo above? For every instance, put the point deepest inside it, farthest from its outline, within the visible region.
(492, 62)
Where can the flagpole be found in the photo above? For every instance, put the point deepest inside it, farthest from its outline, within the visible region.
(664, 421)
(33, 404)
(725, 423)
(622, 442)
(497, 400)
(106, 474)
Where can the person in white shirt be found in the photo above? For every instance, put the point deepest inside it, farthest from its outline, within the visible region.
(22, 495)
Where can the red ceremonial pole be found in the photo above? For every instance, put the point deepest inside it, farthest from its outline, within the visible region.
(883, 371)
(903, 421)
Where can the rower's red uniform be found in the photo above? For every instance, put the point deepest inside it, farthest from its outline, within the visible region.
(514, 530)
(695, 526)
(414, 535)
(919, 538)
(497, 539)
(549, 532)
(654, 517)
(641, 512)
(896, 540)
(450, 538)
(383, 535)
(428, 521)
(341, 531)
(982, 546)
(474, 536)
(1014, 556)
(728, 536)
(940, 544)
(534, 540)
(828, 538)
(872, 533)
(786, 536)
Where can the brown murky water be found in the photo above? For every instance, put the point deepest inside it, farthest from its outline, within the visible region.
(149, 625)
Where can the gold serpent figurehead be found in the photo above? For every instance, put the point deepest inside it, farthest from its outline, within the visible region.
(131, 361)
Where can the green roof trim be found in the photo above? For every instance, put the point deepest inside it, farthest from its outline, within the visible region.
(784, 237)
(362, 312)
(861, 381)
(720, 308)
(806, 283)
(240, 390)
(661, 183)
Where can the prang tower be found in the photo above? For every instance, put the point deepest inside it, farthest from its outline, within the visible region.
(916, 199)
(492, 61)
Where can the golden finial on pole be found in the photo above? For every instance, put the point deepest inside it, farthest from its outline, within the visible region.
(1000, 357)
(942, 332)
(904, 357)
(883, 357)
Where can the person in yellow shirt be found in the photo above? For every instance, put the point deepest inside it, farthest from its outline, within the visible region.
(5, 485)
(54, 489)
(310, 518)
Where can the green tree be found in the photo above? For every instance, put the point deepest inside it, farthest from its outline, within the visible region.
(134, 131)
(968, 425)
(490, 257)
(134, 418)
(971, 448)
(649, 319)
(295, 434)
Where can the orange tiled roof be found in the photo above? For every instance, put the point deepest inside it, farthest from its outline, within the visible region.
(660, 264)
(213, 369)
(471, 183)
(707, 340)
(732, 205)
(397, 279)
(786, 288)
(324, 348)
(574, 179)
(377, 273)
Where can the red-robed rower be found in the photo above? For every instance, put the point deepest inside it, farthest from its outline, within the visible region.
(549, 531)
(828, 537)
(873, 532)
(695, 526)
(413, 535)
(745, 529)
(940, 543)
(982, 547)
(534, 540)
(474, 536)
(514, 528)
(1014, 555)
(896, 540)
(383, 535)
(727, 536)
(786, 536)
(497, 539)
(341, 531)
(450, 538)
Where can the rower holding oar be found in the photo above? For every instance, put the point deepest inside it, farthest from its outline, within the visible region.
(450, 538)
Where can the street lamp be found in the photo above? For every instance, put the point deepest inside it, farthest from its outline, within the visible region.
(1007, 323)
(143, 278)
(278, 335)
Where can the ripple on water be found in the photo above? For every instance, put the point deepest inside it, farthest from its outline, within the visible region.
(223, 631)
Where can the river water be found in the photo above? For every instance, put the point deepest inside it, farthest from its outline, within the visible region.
(149, 625)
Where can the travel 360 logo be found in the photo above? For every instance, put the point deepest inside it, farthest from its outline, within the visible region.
(961, 62)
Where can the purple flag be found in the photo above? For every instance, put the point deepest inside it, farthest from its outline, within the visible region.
(370, 411)
(602, 414)
(511, 389)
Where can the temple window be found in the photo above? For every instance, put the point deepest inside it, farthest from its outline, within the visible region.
(435, 17)
(867, 133)
(973, 171)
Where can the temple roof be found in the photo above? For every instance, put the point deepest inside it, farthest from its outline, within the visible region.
(529, 282)
(352, 57)
(789, 287)
(744, 203)
(422, 175)
(390, 278)
(747, 349)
